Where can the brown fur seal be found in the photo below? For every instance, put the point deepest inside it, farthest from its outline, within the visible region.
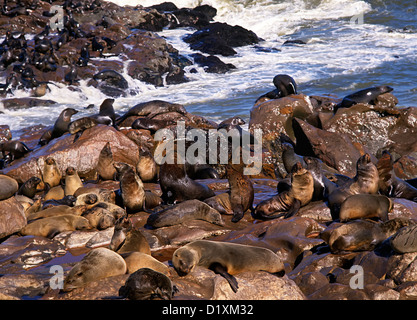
(322, 185)
(8, 187)
(51, 173)
(176, 185)
(57, 211)
(72, 181)
(225, 258)
(13, 149)
(390, 184)
(152, 125)
(152, 108)
(51, 226)
(365, 206)
(60, 126)
(29, 187)
(146, 167)
(405, 240)
(98, 264)
(136, 260)
(100, 218)
(241, 191)
(55, 193)
(184, 211)
(365, 181)
(221, 202)
(105, 164)
(147, 284)
(367, 95)
(288, 202)
(127, 238)
(361, 235)
(131, 187)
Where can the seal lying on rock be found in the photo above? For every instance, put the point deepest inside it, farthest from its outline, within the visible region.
(226, 259)
(365, 206)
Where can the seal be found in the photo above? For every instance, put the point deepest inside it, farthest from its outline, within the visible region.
(389, 184)
(15, 150)
(366, 180)
(55, 211)
(361, 235)
(131, 188)
(51, 226)
(365, 206)
(152, 125)
(136, 260)
(221, 203)
(51, 174)
(367, 95)
(241, 191)
(29, 188)
(225, 258)
(147, 284)
(55, 193)
(146, 167)
(405, 240)
(288, 202)
(176, 185)
(98, 264)
(77, 127)
(107, 110)
(284, 84)
(100, 218)
(60, 126)
(127, 238)
(72, 181)
(8, 187)
(152, 108)
(105, 164)
(184, 211)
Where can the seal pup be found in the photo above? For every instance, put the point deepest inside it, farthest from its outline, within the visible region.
(51, 174)
(131, 188)
(29, 187)
(105, 164)
(366, 180)
(184, 211)
(365, 206)
(146, 167)
(127, 238)
(241, 191)
(15, 150)
(8, 187)
(147, 284)
(72, 181)
(50, 226)
(152, 108)
(225, 258)
(98, 264)
(389, 184)
(367, 95)
(288, 203)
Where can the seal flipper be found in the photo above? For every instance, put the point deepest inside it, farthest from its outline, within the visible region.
(77, 135)
(222, 270)
(296, 205)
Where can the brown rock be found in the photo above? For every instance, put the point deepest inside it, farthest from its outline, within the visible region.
(83, 154)
(12, 217)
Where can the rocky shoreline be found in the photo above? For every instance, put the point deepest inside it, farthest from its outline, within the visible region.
(314, 268)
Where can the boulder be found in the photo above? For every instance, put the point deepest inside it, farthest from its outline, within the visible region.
(12, 217)
(82, 155)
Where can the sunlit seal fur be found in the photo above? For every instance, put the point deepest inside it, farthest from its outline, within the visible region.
(51, 173)
(72, 181)
(131, 187)
(127, 238)
(365, 206)
(105, 164)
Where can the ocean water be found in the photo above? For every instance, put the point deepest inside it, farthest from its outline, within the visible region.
(350, 45)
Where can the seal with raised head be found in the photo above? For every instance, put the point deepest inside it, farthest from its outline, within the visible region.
(176, 185)
(147, 284)
(288, 203)
(367, 95)
(60, 126)
(284, 84)
(105, 164)
(29, 187)
(127, 238)
(184, 211)
(51, 226)
(389, 184)
(72, 181)
(131, 188)
(152, 108)
(366, 180)
(225, 258)
(51, 174)
(98, 264)
(365, 206)
(146, 167)
(241, 190)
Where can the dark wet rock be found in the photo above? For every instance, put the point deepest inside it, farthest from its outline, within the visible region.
(12, 217)
(403, 208)
(337, 291)
(212, 64)
(87, 148)
(221, 38)
(23, 103)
